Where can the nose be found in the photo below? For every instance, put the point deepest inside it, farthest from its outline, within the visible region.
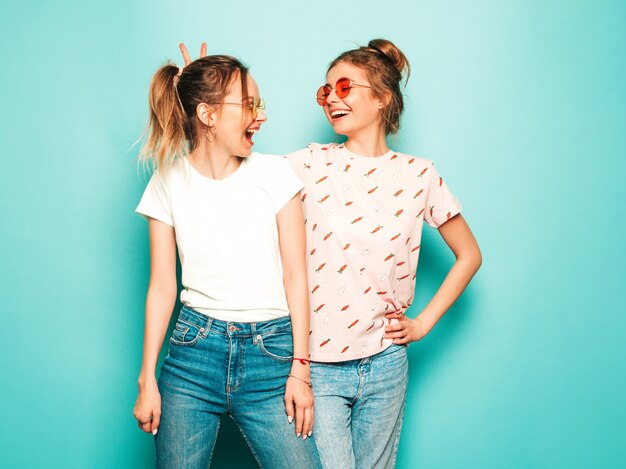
(261, 116)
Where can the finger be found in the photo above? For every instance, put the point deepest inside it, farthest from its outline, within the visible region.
(299, 419)
(308, 424)
(395, 327)
(396, 335)
(289, 408)
(146, 426)
(156, 420)
(203, 50)
(394, 314)
(402, 340)
(183, 50)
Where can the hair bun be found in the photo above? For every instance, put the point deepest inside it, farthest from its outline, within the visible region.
(391, 52)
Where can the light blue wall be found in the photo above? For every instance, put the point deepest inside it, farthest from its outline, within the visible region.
(522, 105)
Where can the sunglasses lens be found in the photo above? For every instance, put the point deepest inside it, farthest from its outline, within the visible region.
(322, 95)
(342, 88)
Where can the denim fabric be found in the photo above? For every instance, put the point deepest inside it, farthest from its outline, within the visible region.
(359, 406)
(215, 367)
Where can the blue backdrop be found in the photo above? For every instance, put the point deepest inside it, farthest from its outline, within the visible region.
(522, 105)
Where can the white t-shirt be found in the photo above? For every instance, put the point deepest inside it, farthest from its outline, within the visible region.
(227, 235)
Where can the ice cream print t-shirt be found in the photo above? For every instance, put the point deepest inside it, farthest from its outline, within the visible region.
(364, 218)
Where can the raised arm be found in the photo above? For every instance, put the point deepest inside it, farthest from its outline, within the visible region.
(459, 238)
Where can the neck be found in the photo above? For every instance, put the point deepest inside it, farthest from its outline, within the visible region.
(213, 161)
(368, 143)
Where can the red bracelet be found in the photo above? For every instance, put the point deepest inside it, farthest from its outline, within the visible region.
(303, 361)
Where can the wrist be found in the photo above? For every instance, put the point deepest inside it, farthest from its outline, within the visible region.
(146, 380)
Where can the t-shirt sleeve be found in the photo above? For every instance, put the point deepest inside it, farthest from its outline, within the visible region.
(284, 183)
(441, 205)
(155, 202)
(299, 161)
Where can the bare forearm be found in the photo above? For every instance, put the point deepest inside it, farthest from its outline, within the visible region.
(159, 305)
(298, 302)
(452, 287)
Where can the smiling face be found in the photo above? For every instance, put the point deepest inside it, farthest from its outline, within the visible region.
(357, 112)
(233, 122)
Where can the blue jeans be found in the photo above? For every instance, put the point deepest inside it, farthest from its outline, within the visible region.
(215, 367)
(359, 406)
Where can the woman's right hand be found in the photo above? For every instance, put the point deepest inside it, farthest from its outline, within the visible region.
(147, 409)
(186, 58)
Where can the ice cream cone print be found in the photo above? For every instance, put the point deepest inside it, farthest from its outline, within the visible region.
(370, 172)
(423, 172)
(320, 267)
(356, 220)
(376, 229)
(367, 291)
(319, 308)
(345, 348)
(398, 193)
(390, 256)
(325, 342)
(418, 193)
(354, 323)
(314, 289)
(323, 199)
(342, 268)
(395, 237)
(399, 212)
(321, 180)
(371, 191)
(328, 236)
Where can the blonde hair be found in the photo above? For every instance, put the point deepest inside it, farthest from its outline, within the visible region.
(384, 66)
(173, 126)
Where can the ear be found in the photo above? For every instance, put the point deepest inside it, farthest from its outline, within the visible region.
(205, 114)
(384, 100)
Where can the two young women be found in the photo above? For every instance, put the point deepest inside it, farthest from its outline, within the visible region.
(364, 206)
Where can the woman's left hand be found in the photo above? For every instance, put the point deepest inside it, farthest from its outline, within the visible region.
(405, 330)
(299, 404)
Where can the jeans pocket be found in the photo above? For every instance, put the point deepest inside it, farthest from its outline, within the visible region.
(277, 345)
(186, 331)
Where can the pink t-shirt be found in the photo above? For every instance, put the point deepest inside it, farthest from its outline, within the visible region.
(363, 218)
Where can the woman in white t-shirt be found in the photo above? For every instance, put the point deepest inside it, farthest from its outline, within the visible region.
(240, 343)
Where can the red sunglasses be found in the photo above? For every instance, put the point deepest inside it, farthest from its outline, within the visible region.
(342, 89)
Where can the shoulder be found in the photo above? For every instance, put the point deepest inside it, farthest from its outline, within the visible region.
(266, 161)
(409, 160)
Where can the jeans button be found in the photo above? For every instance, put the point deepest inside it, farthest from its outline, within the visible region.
(232, 328)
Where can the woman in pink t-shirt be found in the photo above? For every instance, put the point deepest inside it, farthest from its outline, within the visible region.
(364, 206)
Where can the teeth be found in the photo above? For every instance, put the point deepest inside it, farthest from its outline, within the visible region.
(252, 131)
(339, 112)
